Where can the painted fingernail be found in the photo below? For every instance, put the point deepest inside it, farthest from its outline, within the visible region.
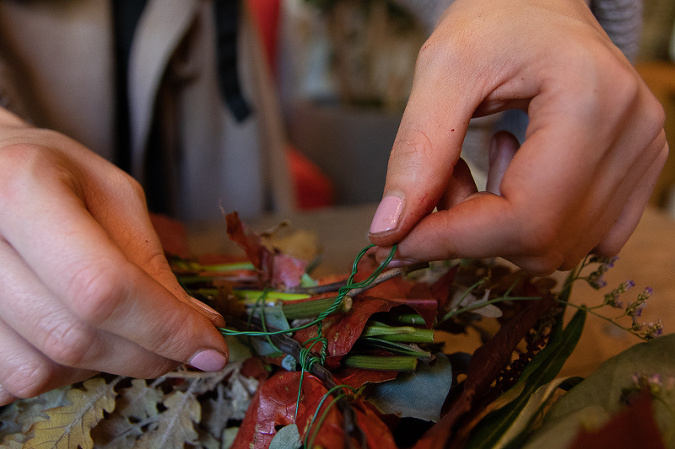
(387, 215)
(209, 360)
(398, 263)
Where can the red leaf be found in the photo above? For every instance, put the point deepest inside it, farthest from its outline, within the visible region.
(486, 364)
(248, 240)
(441, 288)
(274, 406)
(278, 270)
(356, 378)
(342, 330)
(632, 427)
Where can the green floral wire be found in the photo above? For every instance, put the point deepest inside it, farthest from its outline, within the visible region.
(325, 413)
(342, 292)
(306, 365)
(306, 362)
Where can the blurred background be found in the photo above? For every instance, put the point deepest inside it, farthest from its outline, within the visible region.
(344, 70)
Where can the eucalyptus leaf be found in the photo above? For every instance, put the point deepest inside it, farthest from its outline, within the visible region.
(274, 316)
(288, 437)
(402, 397)
(603, 391)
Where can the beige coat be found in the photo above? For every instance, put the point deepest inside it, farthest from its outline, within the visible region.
(57, 70)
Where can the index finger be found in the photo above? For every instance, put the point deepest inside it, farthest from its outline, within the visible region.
(74, 256)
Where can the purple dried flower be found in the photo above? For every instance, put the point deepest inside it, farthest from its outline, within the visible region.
(612, 298)
(596, 278)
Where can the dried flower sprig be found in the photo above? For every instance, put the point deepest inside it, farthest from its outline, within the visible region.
(632, 309)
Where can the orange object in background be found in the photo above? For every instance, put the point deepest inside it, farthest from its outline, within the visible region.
(313, 189)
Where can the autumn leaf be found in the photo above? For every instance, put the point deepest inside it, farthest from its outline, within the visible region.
(18, 417)
(278, 269)
(69, 426)
(342, 330)
(176, 426)
(485, 365)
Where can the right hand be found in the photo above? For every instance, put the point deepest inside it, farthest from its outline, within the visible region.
(85, 284)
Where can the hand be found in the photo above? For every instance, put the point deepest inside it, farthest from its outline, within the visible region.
(85, 285)
(594, 146)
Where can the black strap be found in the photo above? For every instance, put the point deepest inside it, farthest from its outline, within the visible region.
(226, 13)
(126, 14)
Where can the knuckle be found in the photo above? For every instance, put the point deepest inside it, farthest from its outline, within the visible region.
(17, 161)
(68, 344)
(30, 379)
(411, 149)
(96, 290)
(135, 188)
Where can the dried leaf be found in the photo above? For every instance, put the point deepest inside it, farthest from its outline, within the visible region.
(176, 426)
(486, 364)
(139, 401)
(19, 416)
(277, 269)
(496, 429)
(10, 443)
(69, 426)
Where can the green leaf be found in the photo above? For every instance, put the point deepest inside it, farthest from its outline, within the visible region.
(491, 432)
(288, 437)
(273, 316)
(402, 396)
(602, 391)
(69, 426)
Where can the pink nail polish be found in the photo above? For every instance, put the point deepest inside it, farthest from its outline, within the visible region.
(209, 360)
(387, 215)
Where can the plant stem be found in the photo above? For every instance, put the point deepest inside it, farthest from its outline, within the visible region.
(372, 362)
(306, 309)
(393, 347)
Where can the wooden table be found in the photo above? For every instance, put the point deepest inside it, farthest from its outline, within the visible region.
(648, 259)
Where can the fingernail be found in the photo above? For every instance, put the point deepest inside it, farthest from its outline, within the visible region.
(387, 215)
(398, 263)
(209, 360)
(213, 316)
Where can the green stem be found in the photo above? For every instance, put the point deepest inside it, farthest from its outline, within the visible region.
(393, 347)
(224, 267)
(372, 362)
(307, 309)
(254, 295)
(418, 336)
(474, 306)
(609, 320)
